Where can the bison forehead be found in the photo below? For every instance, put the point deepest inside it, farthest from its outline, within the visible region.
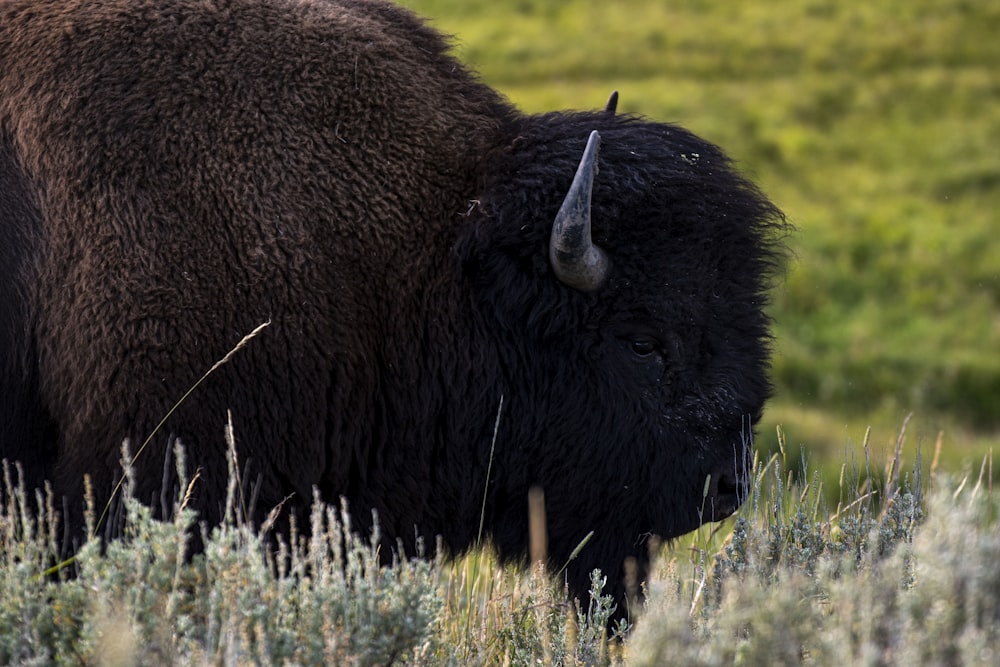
(657, 187)
(673, 230)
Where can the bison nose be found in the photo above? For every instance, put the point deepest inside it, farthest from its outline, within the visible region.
(725, 491)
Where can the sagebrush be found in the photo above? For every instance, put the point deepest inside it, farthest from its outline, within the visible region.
(902, 573)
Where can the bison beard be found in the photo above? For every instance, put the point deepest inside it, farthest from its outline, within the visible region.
(174, 173)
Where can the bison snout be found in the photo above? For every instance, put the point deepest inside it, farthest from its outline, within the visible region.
(725, 491)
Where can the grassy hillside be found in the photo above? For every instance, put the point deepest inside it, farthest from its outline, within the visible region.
(875, 126)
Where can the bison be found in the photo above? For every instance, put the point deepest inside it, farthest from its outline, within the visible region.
(175, 172)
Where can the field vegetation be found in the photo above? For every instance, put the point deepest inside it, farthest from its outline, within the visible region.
(903, 572)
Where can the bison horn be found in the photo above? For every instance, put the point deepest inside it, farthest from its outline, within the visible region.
(612, 106)
(576, 261)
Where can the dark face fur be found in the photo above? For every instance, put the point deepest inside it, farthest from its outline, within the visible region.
(632, 405)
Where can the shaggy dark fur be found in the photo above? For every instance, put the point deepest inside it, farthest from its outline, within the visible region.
(175, 172)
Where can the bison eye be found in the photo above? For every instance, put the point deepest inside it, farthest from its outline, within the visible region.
(643, 347)
(642, 356)
(649, 360)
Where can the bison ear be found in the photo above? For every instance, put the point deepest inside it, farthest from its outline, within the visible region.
(576, 261)
(612, 106)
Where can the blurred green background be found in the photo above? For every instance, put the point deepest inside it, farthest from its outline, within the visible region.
(875, 126)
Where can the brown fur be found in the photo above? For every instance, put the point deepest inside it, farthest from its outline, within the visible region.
(208, 166)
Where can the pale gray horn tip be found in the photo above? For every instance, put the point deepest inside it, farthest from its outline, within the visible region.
(593, 142)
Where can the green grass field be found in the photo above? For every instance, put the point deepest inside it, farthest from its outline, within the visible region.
(875, 126)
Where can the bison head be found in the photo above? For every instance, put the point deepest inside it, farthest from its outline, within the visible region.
(628, 318)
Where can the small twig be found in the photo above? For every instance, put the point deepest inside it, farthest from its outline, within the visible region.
(489, 470)
(857, 501)
(892, 475)
(229, 355)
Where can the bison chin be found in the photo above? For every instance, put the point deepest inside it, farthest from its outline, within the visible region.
(714, 494)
